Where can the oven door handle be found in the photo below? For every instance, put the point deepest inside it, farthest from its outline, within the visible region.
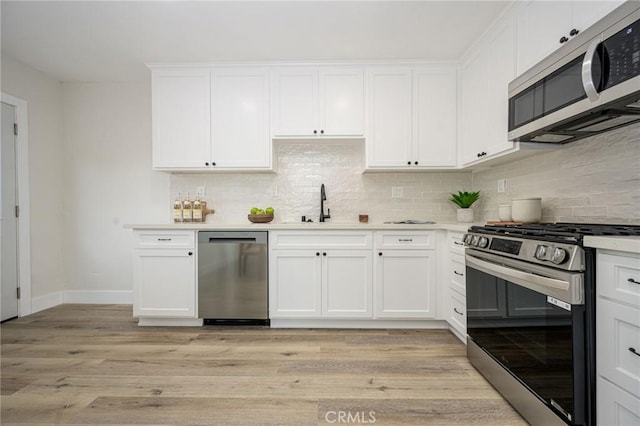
(570, 290)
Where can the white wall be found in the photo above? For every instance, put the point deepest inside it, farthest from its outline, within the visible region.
(43, 96)
(591, 180)
(108, 182)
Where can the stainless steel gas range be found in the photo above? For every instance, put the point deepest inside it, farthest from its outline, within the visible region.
(531, 316)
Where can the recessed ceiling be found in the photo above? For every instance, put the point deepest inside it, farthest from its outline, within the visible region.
(112, 40)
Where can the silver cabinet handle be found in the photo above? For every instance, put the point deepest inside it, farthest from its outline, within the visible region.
(631, 280)
(457, 311)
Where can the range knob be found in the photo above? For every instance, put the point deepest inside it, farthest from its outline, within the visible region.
(484, 241)
(467, 239)
(541, 252)
(559, 255)
(475, 240)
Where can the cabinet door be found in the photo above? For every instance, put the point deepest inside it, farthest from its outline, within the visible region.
(295, 284)
(164, 283)
(541, 24)
(404, 284)
(485, 98)
(434, 117)
(181, 118)
(341, 110)
(388, 117)
(295, 102)
(473, 111)
(347, 284)
(587, 13)
(240, 119)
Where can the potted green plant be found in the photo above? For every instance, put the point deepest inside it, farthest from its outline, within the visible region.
(464, 200)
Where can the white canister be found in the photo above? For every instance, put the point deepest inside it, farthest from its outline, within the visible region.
(527, 210)
(504, 212)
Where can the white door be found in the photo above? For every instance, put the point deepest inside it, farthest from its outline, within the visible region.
(388, 117)
(240, 119)
(9, 219)
(181, 126)
(295, 284)
(434, 117)
(295, 102)
(341, 110)
(347, 284)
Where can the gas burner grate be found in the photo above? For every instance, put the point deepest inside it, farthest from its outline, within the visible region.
(559, 231)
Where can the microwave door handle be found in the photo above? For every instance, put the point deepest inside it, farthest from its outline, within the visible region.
(587, 76)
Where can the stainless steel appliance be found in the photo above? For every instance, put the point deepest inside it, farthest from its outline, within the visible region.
(531, 316)
(588, 86)
(232, 277)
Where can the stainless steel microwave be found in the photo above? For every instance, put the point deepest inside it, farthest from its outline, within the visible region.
(589, 86)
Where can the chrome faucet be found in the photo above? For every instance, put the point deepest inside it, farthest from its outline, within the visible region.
(323, 198)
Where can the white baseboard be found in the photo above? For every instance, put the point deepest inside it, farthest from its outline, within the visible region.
(47, 301)
(98, 296)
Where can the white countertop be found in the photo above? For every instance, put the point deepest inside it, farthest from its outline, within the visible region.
(298, 226)
(618, 243)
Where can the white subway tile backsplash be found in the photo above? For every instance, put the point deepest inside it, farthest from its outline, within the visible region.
(302, 167)
(592, 180)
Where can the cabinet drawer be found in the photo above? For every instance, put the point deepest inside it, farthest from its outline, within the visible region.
(320, 239)
(618, 343)
(457, 315)
(164, 239)
(457, 271)
(455, 242)
(406, 240)
(618, 277)
(615, 406)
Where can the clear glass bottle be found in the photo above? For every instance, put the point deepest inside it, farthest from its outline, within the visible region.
(197, 209)
(187, 210)
(177, 209)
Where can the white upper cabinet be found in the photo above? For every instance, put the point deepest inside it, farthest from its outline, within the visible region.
(240, 118)
(434, 117)
(211, 119)
(312, 102)
(484, 95)
(388, 117)
(181, 118)
(411, 122)
(544, 26)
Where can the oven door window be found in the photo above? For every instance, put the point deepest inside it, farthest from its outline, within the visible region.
(526, 333)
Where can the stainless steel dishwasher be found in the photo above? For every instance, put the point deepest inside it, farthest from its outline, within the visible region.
(232, 277)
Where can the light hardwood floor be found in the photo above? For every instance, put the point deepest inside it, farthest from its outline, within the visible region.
(92, 364)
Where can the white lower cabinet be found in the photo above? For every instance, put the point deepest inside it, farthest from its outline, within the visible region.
(456, 286)
(404, 279)
(618, 338)
(164, 274)
(295, 284)
(327, 275)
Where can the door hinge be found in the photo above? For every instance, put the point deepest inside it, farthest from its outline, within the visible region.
(15, 129)
(17, 211)
(18, 292)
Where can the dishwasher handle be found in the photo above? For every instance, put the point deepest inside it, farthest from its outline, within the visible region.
(222, 237)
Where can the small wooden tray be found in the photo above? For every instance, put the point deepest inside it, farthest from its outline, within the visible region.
(260, 218)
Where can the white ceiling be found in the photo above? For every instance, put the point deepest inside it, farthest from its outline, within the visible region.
(111, 40)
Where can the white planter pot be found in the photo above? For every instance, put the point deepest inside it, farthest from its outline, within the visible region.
(465, 215)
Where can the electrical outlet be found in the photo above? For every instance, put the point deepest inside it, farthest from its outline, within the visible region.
(200, 190)
(502, 185)
(397, 192)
